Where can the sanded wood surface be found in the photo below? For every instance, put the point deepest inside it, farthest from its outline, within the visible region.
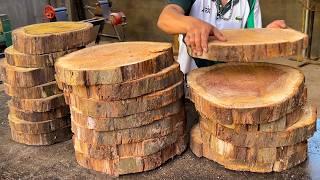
(245, 45)
(156, 129)
(36, 92)
(247, 93)
(113, 63)
(39, 116)
(51, 37)
(131, 121)
(42, 127)
(298, 132)
(60, 135)
(127, 165)
(16, 58)
(247, 159)
(96, 108)
(25, 77)
(130, 89)
(39, 105)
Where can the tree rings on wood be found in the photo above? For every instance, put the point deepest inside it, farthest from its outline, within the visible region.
(52, 37)
(245, 45)
(130, 89)
(113, 63)
(247, 93)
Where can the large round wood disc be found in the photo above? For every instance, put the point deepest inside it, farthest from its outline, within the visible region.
(245, 45)
(51, 37)
(113, 63)
(19, 59)
(247, 159)
(246, 93)
(130, 89)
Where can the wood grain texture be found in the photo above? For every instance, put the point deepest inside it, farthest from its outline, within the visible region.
(156, 129)
(43, 127)
(131, 121)
(96, 108)
(247, 93)
(259, 160)
(25, 77)
(247, 45)
(39, 116)
(298, 132)
(113, 63)
(36, 92)
(130, 89)
(60, 135)
(39, 105)
(16, 58)
(133, 164)
(51, 37)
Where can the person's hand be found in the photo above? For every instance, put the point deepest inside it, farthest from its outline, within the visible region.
(280, 24)
(198, 34)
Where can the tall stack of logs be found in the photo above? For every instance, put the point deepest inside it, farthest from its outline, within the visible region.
(38, 112)
(126, 102)
(253, 116)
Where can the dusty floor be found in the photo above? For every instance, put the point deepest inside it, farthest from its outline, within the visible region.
(57, 161)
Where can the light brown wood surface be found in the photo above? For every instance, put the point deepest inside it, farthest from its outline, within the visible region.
(16, 58)
(130, 89)
(52, 37)
(247, 93)
(113, 63)
(245, 45)
(96, 108)
(247, 159)
(36, 92)
(25, 77)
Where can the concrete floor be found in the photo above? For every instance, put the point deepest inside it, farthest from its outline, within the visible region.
(57, 161)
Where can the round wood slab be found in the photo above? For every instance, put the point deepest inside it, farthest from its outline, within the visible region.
(245, 45)
(52, 37)
(246, 93)
(113, 63)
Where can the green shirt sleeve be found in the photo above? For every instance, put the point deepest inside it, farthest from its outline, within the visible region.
(184, 4)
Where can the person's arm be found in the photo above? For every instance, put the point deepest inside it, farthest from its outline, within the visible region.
(173, 21)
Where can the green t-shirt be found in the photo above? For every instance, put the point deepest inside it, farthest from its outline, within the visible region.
(184, 4)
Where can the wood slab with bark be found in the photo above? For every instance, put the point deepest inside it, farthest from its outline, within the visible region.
(113, 63)
(52, 37)
(247, 93)
(247, 45)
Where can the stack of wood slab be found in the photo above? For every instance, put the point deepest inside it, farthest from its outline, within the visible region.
(253, 116)
(38, 112)
(126, 102)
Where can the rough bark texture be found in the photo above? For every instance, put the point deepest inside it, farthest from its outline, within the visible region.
(25, 77)
(96, 108)
(247, 93)
(131, 121)
(130, 89)
(245, 45)
(43, 127)
(247, 159)
(16, 58)
(39, 105)
(113, 63)
(36, 92)
(133, 164)
(156, 129)
(60, 135)
(52, 37)
(39, 116)
(298, 132)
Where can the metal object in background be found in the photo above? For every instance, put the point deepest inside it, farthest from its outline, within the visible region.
(5, 33)
(55, 14)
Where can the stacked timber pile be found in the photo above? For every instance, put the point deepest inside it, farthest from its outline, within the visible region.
(38, 112)
(253, 116)
(126, 102)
